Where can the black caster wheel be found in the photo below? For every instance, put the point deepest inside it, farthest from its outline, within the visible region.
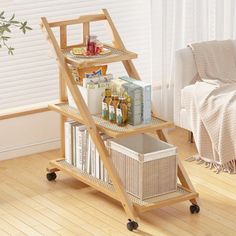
(51, 176)
(132, 225)
(194, 209)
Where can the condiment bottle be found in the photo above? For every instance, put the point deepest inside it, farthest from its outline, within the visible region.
(112, 108)
(105, 104)
(122, 112)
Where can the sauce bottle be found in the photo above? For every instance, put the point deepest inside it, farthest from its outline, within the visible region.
(122, 112)
(105, 104)
(112, 108)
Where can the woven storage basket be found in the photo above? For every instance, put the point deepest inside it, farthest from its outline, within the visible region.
(147, 166)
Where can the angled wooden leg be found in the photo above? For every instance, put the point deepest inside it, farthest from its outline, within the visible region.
(185, 181)
(161, 135)
(182, 175)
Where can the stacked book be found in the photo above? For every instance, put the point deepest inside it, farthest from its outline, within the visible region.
(81, 152)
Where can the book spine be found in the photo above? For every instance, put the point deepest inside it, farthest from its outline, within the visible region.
(105, 174)
(101, 170)
(68, 142)
(83, 151)
(93, 158)
(73, 146)
(78, 148)
(97, 165)
(88, 153)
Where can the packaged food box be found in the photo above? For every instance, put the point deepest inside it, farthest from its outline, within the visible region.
(133, 94)
(146, 97)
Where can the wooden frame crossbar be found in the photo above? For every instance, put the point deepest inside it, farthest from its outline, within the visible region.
(79, 20)
(66, 79)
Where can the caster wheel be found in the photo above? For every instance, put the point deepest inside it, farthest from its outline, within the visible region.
(51, 176)
(194, 209)
(132, 225)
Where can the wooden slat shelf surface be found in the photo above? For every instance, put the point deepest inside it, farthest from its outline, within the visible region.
(181, 194)
(116, 55)
(108, 128)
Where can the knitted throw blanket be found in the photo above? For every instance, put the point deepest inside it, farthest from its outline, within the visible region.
(213, 107)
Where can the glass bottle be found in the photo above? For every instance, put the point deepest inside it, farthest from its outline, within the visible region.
(91, 44)
(105, 104)
(122, 112)
(112, 108)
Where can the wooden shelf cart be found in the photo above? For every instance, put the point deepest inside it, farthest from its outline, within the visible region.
(94, 124)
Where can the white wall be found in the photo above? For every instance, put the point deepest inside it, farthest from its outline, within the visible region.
(29, 134)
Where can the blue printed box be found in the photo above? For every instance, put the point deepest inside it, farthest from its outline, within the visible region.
(146, 97)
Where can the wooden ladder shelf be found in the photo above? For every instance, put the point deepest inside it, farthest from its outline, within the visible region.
(131, 205)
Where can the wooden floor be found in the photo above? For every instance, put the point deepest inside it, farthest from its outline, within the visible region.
(30, 205)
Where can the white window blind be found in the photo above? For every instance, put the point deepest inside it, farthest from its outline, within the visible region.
(30, 76)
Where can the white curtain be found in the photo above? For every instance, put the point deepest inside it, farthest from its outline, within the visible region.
(175, 24)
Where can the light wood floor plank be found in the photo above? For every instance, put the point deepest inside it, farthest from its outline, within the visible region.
(8, 195)
(43, 230)
(19, 224)
(10, 229)
(3, 233)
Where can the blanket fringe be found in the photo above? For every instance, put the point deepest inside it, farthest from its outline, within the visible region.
(229, 167)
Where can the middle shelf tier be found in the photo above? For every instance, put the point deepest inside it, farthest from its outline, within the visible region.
(108, 128)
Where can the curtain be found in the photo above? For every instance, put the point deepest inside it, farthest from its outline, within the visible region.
(175, 24)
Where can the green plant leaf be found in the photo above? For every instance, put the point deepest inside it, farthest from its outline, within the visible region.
(10, 51)
(28, 28)
(23, 24)
(5, 38)
(5, 27)
(14, 22)
(13, 16)
(2, 15)
(8, 30)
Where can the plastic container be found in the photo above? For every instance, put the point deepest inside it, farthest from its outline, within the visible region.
(147, 166)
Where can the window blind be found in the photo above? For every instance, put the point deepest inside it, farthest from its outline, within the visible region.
(30, 76)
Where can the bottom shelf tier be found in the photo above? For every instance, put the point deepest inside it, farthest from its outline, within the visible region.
(182, 194)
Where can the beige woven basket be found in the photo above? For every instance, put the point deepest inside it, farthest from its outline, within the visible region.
(147, 166)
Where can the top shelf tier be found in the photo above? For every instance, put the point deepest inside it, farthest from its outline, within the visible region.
(108, 128)
(116, 55)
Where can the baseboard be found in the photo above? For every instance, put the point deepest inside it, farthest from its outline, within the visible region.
(18, 151)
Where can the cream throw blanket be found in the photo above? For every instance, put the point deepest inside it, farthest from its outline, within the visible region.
(213, 108)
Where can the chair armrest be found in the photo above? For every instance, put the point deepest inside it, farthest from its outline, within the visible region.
(185, 73)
